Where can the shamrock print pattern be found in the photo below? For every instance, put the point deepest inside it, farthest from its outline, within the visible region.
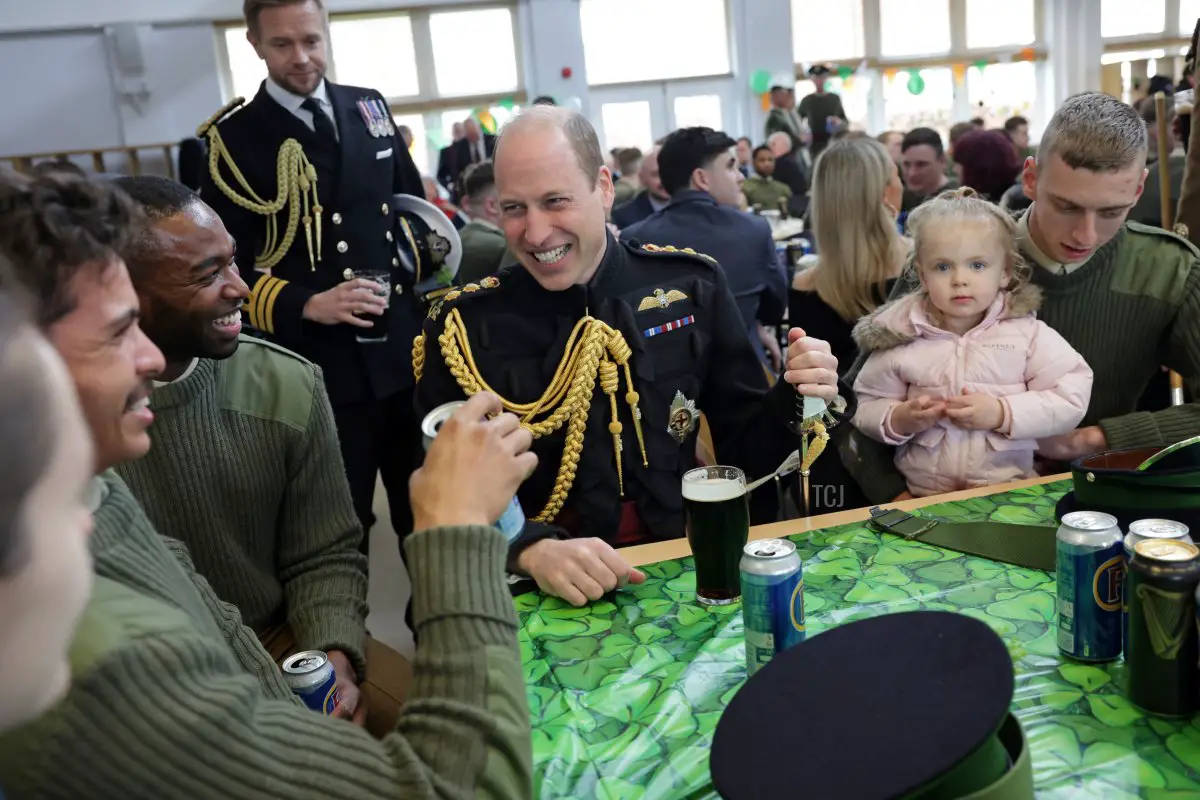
(625, 693)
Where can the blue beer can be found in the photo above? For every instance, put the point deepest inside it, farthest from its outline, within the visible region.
(1091, 573)
(772, 600)
(311, 678)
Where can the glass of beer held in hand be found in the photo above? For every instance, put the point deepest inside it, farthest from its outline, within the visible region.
(718, 524)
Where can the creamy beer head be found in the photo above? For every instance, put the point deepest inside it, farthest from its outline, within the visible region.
(713, 490)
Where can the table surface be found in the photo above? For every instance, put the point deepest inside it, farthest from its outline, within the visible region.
(625, 693)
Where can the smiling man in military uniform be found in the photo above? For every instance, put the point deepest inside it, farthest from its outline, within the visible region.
(304, 178)
(608, 351)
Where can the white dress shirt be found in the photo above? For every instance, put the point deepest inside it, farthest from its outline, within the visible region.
(292, 103)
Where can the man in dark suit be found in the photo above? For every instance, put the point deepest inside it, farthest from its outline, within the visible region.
(446, 170)
(303, 253)
(699, 169)
(474, 147)
(653, 196)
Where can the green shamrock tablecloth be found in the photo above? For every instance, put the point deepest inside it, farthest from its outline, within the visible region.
(625, 694)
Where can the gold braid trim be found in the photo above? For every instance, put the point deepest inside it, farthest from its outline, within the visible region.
(418, 356)
(296, 179)
(594, 350)
(816, 445)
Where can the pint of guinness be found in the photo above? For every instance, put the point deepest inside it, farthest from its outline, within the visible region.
(718, 524)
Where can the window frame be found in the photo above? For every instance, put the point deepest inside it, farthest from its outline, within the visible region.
(876, 65)
(729, 73)
(427, 99)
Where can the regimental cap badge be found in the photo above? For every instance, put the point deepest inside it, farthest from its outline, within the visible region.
(439, 247)
(661, 299)
(683, 418)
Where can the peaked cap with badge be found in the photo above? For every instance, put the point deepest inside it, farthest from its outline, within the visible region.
(611, 377)
(309, 206)
(824, 719)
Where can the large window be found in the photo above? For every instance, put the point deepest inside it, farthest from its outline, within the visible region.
(1001, 91)
(827, 30)
(1189, 12)
(1000, 24)
(697, 43)
(376, 52)
(932, 107)
(473, 51)
(914, 27)
(1131, 17)
(246, 69)
(627, 125)
(698, 110)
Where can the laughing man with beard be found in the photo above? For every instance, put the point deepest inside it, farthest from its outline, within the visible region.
(249, 422)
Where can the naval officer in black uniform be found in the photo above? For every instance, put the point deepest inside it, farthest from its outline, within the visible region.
(609, 350)
(336, 153)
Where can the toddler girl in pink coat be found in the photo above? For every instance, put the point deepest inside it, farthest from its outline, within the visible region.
(962, 377)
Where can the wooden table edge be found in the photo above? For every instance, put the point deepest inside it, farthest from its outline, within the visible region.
(678, 548)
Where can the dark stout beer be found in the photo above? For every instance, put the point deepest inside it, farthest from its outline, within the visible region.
(718, 524)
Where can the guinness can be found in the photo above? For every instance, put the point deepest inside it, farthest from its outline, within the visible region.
(1160, 656)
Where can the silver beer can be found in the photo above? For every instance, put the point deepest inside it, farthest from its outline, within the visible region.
(512, 521)
(1145, 529)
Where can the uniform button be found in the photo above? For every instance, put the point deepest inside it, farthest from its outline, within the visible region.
(337, 218)
(348, 274)
(399, 289)
(342, 247)
(395, 262)
(385, 208)
(389, 236)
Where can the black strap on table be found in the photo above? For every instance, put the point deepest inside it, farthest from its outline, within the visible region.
(1032, 546)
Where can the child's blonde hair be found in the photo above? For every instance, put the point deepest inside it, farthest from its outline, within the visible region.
(967, 204)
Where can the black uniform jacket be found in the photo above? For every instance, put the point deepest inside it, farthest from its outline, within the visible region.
(518, 332)
(357, 178)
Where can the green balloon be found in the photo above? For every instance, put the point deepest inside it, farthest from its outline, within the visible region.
(760, 81)
(916, 84)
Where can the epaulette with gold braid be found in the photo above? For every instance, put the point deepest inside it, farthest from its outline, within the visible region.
(655, 249)
(436, 303)
(225, 111)
(296, 183)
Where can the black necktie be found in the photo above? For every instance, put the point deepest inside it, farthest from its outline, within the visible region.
(321, 122)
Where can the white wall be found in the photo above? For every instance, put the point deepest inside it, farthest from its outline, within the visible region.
(41, 15)
(552, 38)
(58, 94)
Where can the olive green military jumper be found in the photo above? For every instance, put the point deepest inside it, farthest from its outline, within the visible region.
(232, 432)
(172, 697)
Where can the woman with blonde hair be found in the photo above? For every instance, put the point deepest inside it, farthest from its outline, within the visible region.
(856, 194)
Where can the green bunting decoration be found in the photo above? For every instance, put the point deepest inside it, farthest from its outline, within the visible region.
(760, 81)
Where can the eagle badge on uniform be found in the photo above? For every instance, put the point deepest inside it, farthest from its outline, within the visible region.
(683, 418)
(661, 299)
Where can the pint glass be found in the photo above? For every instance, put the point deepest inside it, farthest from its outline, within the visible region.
(718, 524)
